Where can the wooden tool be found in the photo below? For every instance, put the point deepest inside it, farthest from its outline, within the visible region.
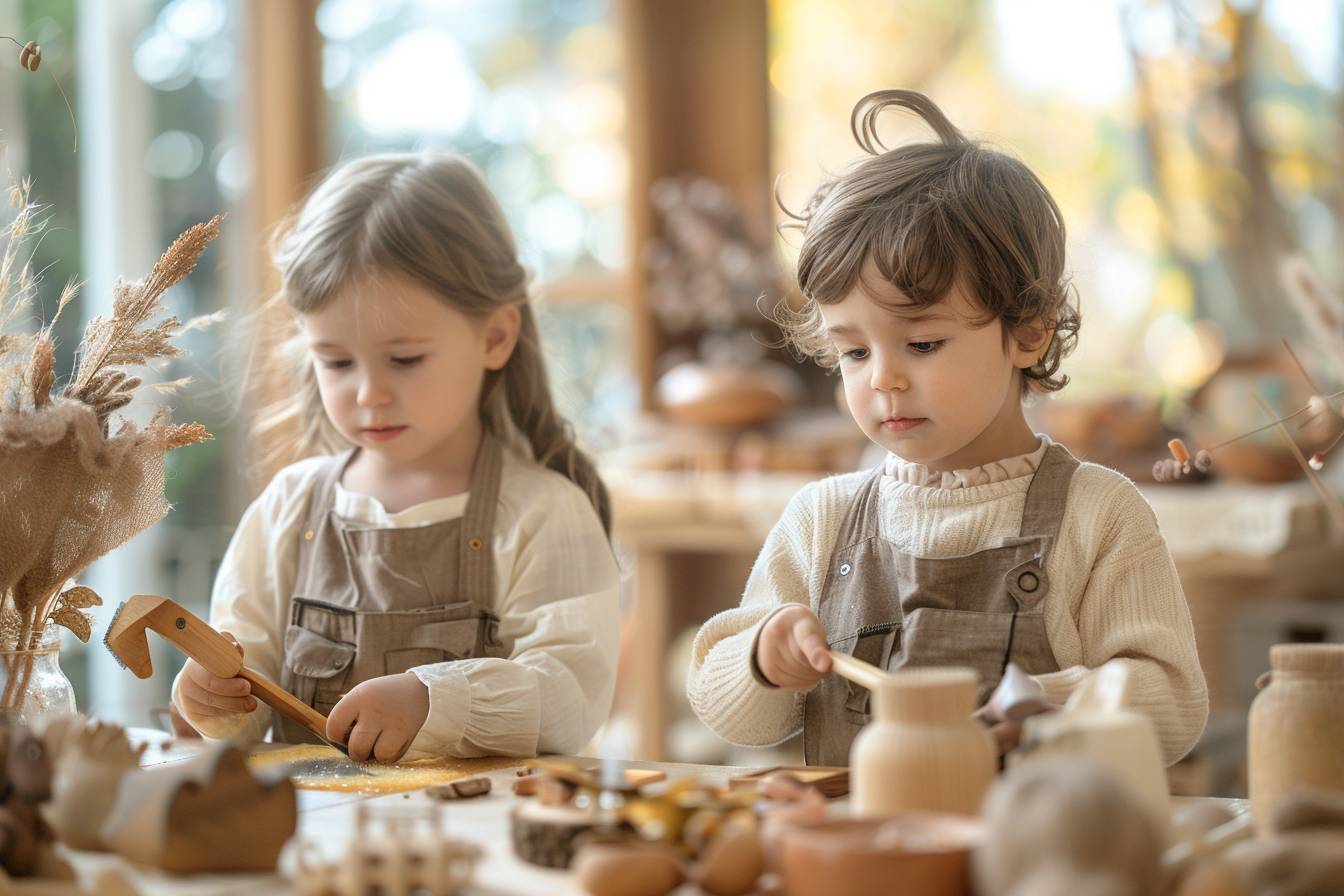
(194, 637)
(856, 670)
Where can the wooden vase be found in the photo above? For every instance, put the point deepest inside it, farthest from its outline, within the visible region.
(922, 751)
(1296, 739)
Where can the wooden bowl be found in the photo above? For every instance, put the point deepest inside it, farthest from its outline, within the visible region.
(912, 852)
(718, 396)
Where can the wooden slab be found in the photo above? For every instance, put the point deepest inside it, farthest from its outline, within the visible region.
(832, 781)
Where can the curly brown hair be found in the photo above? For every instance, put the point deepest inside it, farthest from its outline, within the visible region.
(930, 215)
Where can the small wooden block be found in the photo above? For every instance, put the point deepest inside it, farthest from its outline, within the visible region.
(527, 784)
(635, 777)
(832, 781)
(460, 790)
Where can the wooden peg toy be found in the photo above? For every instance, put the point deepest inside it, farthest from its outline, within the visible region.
(194, 637)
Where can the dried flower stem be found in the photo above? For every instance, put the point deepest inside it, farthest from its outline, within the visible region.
(30, 61)
(1332, 503)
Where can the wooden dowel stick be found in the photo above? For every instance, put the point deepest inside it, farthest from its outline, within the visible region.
(857, 671)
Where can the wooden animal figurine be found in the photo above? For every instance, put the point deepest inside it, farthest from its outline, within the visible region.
(25, 781)
(207, 813)
(88, 775)
(1063, 827)
(1097, 722)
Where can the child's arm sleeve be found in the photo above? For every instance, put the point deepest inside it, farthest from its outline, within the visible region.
(558, 607)
(250, 597)
(1133, 610)
(724, 685)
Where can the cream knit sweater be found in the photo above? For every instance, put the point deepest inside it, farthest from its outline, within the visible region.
(1114, 592)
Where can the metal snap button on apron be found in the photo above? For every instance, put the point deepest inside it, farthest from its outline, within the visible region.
(844, 569)
(1028, 582)
(474, 544)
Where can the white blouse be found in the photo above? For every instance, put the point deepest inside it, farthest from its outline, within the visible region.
(558, 586)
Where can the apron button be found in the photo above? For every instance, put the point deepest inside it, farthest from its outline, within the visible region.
(308, 536)
(844, 569)
(1028, 582)
(474, 544)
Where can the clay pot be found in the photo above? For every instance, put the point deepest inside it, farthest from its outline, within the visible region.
(730, 864)
(627, 869)
(709, 395)
(910, 852)
(776, 821)
(922, 751)
(1297, 726)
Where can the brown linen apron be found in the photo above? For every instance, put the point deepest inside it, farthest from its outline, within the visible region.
(371, 602)
(894, 609)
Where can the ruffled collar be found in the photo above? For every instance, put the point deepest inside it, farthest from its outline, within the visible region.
(995, 471)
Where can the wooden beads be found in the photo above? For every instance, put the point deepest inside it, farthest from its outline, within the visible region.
(30, 56)
(1179, 451)
(1180, 463)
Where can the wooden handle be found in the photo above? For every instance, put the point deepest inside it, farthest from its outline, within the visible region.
(285, 703)
(857, 671)
(194, 637)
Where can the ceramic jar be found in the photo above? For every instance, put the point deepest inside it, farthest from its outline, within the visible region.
(922, 750)
(1296, 739)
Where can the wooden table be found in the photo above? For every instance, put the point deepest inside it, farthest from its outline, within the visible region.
(327, 821)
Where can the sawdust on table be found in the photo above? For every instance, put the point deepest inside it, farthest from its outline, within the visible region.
(326, 768)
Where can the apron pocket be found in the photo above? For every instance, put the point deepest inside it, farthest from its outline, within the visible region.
(938, 637)
(441, 635)
(316, 667)
(874, 645)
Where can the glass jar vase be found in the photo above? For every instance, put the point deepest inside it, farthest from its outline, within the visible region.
(32, 684)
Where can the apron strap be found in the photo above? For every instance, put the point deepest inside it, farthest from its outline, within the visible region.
(476, 564)
(1047, 495)
(321, 499)
(1042, 514)
(861, 517)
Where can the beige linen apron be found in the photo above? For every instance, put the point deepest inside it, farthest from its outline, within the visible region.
(369, 602)
(894, 609)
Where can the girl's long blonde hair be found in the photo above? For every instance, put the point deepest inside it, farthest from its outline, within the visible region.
(430, 217)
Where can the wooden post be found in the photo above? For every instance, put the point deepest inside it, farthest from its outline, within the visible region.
(283, 56)
(697, 95)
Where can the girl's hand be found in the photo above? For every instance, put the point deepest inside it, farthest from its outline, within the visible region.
(205, 696)
(791, 651)
(379, 718)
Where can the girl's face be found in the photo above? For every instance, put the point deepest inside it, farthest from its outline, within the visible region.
(932, 385)
(400, 371)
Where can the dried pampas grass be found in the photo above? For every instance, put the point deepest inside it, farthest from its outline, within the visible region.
(77, 481)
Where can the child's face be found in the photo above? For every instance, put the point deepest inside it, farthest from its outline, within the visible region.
(930, 384)
(400, 371)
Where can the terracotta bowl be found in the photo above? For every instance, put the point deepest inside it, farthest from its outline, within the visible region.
(911, 852)
(718, 396)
